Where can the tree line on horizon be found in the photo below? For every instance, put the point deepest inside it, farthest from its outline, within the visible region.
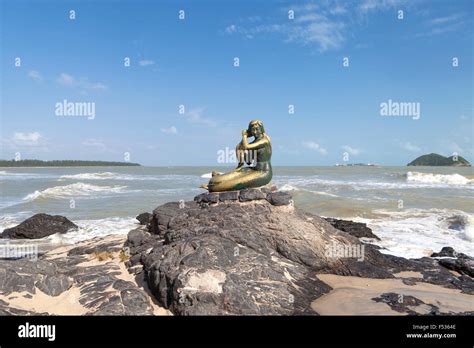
(62, 163)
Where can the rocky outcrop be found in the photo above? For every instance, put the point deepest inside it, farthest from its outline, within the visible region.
(39, 226)
(144, 218)
(455, 261)
(356, 229)
(88, 279)
(268, 193)
(240, 253)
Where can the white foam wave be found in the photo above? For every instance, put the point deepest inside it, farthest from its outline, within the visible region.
(90, 176)
(78, 189)
(89, 229)
(288, 187)
(206, 176)
(311, 182)
(415, 233)
(124, 177)
(429, 178)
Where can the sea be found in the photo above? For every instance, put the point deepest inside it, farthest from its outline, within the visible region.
(414, 210)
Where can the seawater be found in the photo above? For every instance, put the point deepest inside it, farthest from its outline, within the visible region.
(414, 210)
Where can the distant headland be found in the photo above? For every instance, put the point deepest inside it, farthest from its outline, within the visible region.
(64, 163)
(433, 159)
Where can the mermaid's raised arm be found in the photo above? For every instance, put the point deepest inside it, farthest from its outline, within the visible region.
(255, 145)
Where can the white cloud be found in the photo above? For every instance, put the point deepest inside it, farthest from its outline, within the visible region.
(231, 29)
(367, 6)
(446, 19)
(196, 116)
(170, 130)
(145, 62)
(410, 147)
(315, 147)
(323, 24)
(35, 75)
(82, 83)
(66, 79)
(97, 144)
(445, 24)
(351, 150)
(27, 139)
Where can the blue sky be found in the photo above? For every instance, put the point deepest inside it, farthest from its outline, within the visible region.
(283, 62)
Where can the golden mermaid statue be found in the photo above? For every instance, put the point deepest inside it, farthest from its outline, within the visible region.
(258, 153)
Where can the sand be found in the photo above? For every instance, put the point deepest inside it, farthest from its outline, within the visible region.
(353, 296)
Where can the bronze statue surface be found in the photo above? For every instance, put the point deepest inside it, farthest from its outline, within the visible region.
(258, 152)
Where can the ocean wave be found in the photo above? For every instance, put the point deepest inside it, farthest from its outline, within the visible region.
(13, 219)
(89, 229)
(125, 177)
(429, 178)
(415, 233)
(4, 175)
(410, 182)
(90, 176)
(78, 189)
(288, 187)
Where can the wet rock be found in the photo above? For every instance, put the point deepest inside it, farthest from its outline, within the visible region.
(460, 265)
(455, 261)
(39, 226)
(356, 229)
(445, 252)
(406, 304)
(144, 218)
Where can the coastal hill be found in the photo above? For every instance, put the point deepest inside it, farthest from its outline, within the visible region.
(64, 163)
(433, 159)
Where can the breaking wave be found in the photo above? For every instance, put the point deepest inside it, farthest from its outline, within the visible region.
(75, 190)
(429, 178)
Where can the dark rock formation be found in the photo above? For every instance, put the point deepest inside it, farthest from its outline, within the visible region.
(405, 303)
(223, 254)
(251, 194)
(279, 198)
(144, 218)
(39, 226)
(98, 287)
(356, 229)
(455, 261)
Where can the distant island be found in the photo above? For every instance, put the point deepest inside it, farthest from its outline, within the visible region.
(65, 163)
(433, 159)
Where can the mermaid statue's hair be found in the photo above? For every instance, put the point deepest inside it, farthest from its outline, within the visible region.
(260, 125)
